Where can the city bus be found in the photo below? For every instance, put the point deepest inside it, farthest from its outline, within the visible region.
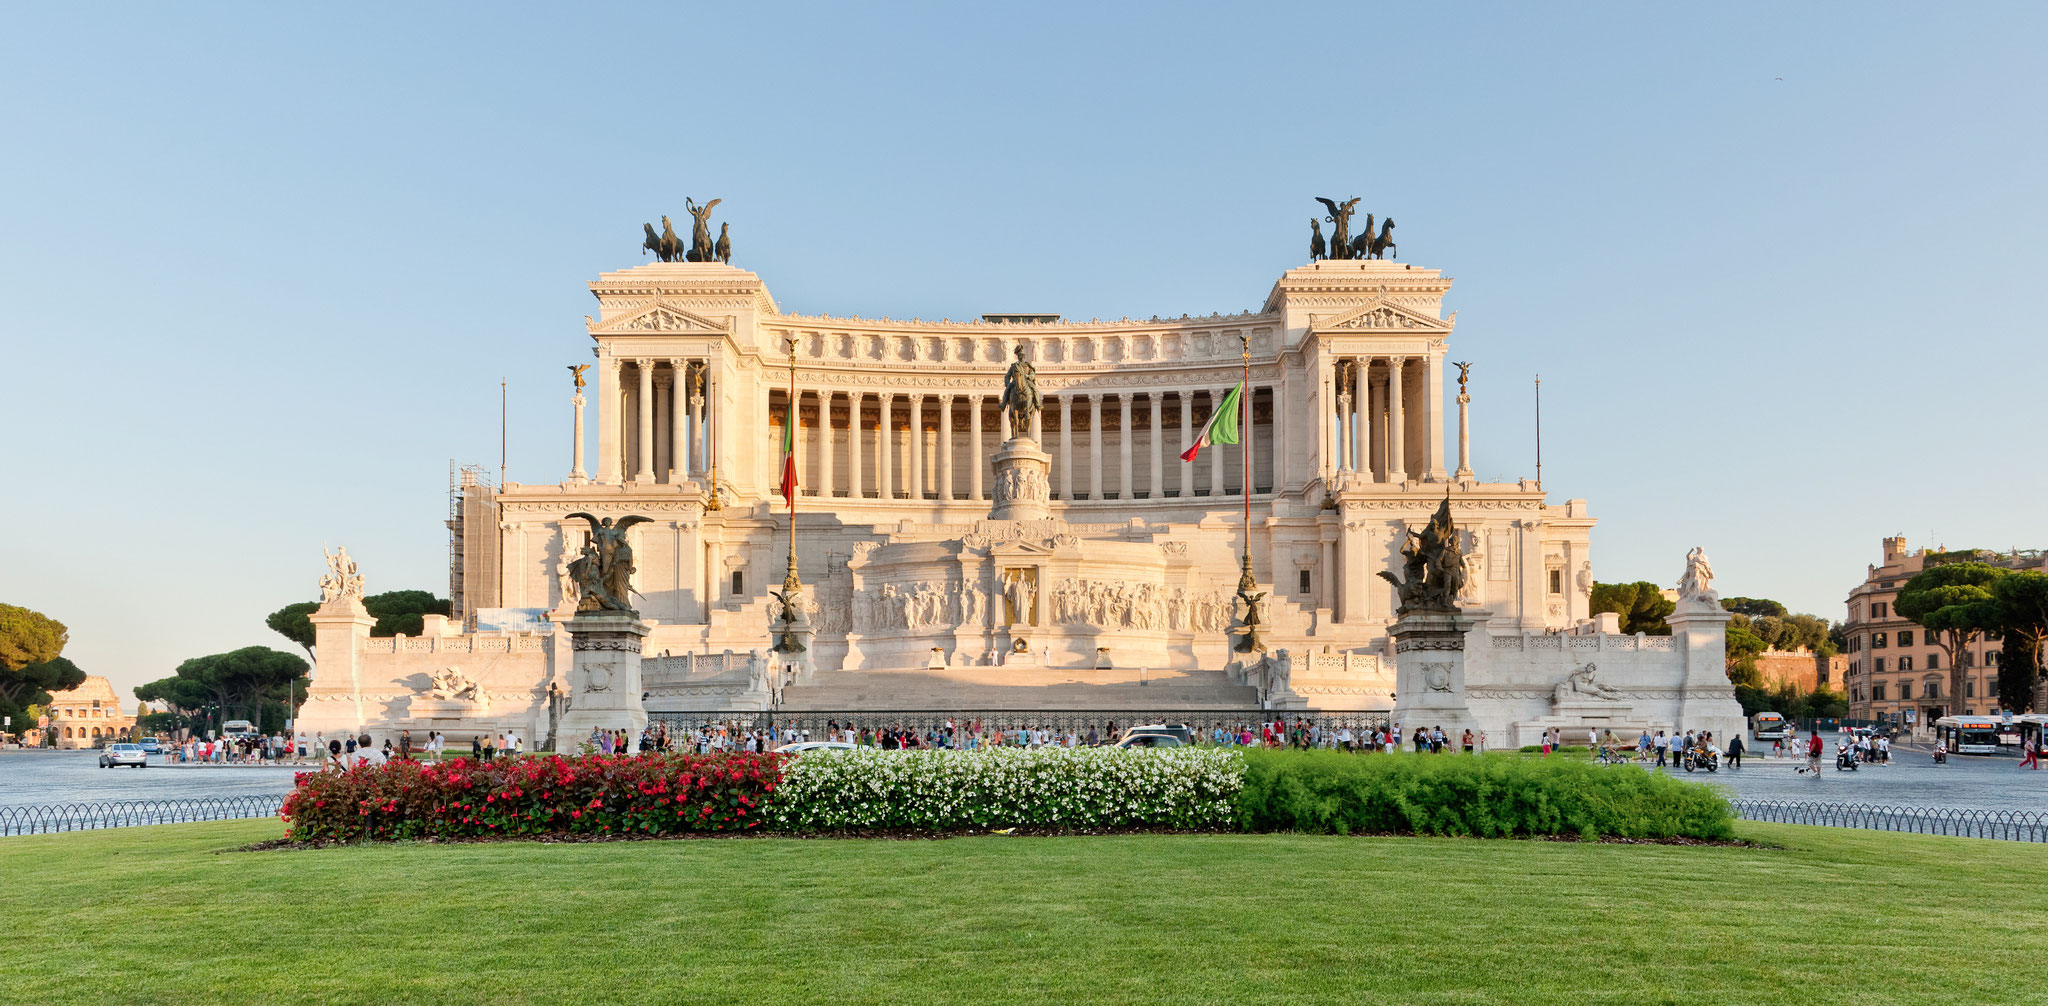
(1768, 726)
(2032, 726)
(1968, 734)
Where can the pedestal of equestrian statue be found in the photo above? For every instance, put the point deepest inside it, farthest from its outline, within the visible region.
(1023, 481)
(1429, 672)
(605, 677)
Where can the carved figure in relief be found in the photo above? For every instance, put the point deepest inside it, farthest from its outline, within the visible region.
(1697, 585)
(1279, 667)
(1020, 395)
(451, 685)
(1581, 684)
(1020, 590)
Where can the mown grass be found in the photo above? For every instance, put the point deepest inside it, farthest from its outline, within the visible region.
(171, 914)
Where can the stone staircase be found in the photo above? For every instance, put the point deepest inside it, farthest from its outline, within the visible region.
(992, 688)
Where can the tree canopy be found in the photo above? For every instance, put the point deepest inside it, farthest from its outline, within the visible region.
(30, 665)
(1641, 605)
(2022, 601)
(403, 611)
(237, 682)
(291, 622)
(1953, 600)
(1754, 607)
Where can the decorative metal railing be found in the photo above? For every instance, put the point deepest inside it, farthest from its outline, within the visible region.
(817, 722)
(36, 820)
(2008, 825)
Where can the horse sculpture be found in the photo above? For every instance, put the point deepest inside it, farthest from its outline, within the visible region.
(1316, 252)
(724, 247)
(652, 244)
(1362, 244)
(1383, 246)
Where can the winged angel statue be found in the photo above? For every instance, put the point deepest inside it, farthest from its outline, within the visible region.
(603, 573)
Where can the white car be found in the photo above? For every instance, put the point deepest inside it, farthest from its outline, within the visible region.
(1145, 740)
(124, 754)
(802, 746)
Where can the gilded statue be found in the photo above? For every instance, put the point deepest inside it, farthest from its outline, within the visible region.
(577, 370)
(1464, 374)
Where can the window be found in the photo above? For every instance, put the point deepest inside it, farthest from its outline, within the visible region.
(1557, 581)
(1877, 691)
(1970, 689)
(1304, 582)
(1877, 609)
(1855, 612)
(739, 581)
(1934, 661)
(1930, 689)
(1877, 665)
(1905, 662)
(1878, 641)
(1905, 637)
(1969, 659)
(1856, 644)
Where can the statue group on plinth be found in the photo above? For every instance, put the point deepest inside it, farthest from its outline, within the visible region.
(667, 247)
(1433, 566)
(1342, 245)
(603, 572)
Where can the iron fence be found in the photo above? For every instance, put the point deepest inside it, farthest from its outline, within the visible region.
(2008, 825)
(817, 722)
(36, 820)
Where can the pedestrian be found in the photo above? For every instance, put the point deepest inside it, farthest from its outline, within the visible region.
(1814, 748)
(1467, 741)
(2030, 750)
(1735, 747)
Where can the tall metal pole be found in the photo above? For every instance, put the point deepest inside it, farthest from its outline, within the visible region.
(1539, 431)
(1244, 431)
(501, 433)
(789, 580)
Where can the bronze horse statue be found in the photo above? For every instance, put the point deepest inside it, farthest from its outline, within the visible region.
(1383, 246)
(672, 246)
(1316, 252)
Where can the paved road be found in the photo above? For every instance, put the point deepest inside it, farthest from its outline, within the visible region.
(1983, 782)
(46, 777)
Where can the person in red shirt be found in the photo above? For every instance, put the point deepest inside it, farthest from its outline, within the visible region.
(1814, 748)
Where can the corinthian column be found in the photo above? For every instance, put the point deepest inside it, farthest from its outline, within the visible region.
(644, 471)
(915, 461)
(576, 473)
(1216, 453)
(827, 473)
(1153, 489)
(678, 422)
(1187, 440)
(699, 445)
(1361, 433)
(611, 403)
(945, 447)
(1095, 445)
(1464, 436)
(885, 464)
(855, 446)
(1397, 438)
(974, 446)
(1066, 447)
(1123, 445)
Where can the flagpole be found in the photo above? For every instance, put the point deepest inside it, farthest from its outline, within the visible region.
(1245, 434)
(789, 580)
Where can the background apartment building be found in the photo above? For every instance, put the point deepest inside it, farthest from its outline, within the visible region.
(1896, 667)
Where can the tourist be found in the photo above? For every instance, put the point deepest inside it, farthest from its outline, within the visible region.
(1467, 740)
(490, 747)
(333, 753)
(405, 744)
(368, 755)
(1735, 751)
(2030, 753)
(1814, 748)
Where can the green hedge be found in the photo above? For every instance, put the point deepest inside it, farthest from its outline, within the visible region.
(1491, 796)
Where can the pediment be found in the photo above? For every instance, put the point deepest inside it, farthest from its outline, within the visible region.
(1383, 316)
(657, 316)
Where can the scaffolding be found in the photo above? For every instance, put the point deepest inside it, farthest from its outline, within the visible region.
(472, 557)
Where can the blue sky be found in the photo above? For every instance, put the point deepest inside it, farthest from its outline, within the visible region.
(262, 267)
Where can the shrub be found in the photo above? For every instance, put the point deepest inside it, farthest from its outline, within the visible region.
(1065, 788)
(1487, 796)
(597, 794)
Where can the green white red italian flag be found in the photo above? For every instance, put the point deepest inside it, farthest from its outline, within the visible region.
(789, 458)
(1222, 425)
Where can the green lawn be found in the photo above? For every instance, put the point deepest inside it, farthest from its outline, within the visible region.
(168, 915)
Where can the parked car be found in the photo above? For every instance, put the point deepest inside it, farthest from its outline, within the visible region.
(802, 746)
(1136, 739)
(124, 754)
(1184, 733)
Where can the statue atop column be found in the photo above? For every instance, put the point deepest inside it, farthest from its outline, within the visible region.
(1020, 395)
(604, 571)
(1433, 566)
(1697, 585)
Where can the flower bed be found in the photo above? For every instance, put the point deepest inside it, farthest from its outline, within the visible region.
(1041, 789)
(593, 794)
(1189, 789)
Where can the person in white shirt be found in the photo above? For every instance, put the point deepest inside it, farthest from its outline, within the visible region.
(366, 753)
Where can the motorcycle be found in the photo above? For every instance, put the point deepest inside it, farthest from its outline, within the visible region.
(1940, 757)
(1702, 760)
(1845, 762)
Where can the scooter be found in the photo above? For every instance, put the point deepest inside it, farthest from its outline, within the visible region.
(1845, 762)
(1940, 757)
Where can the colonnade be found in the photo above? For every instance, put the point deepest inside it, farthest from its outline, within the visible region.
(1388, 423)
(652, 420)
(842, 448)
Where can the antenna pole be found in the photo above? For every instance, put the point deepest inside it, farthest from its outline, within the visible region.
(501, 433)
(1539, 431)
